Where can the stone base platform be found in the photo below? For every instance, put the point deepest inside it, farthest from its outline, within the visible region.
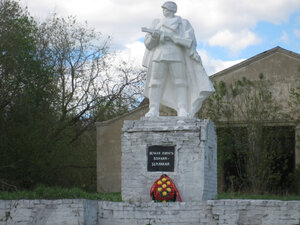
(192, 165)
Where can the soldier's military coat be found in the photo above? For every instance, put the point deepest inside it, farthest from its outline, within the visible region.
(199, 86)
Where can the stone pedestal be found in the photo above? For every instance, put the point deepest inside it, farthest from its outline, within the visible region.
(189, 144)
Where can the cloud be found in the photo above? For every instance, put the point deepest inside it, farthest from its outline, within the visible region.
(284, 37)
(297, 33)
(133, 53)
(235, 42)
(123, 18)
(213, 65)
(211, 16)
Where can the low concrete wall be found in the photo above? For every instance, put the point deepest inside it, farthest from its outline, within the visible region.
(51, 212)
(87, 212)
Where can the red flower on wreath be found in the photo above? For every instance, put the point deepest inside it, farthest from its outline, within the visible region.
(164, 190)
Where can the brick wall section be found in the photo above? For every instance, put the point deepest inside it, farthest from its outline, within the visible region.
(195, 170)
(87, 212)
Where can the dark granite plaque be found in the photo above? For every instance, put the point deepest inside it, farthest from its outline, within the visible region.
(161, 158)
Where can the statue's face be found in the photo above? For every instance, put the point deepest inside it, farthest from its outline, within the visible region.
(168, 13)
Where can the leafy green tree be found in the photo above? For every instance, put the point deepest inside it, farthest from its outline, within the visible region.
(249, 154)
(294, 114)
(19, 63)
(27, 91)
(294, 101)
(57, 79)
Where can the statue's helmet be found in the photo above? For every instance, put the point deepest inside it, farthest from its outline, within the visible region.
(170, 6)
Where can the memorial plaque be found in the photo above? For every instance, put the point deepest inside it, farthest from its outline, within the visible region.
(161, 158)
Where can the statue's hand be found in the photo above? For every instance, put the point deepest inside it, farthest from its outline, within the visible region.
(168, 37)
(155, 34)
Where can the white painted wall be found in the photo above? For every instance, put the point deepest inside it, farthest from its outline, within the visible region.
(87, 212)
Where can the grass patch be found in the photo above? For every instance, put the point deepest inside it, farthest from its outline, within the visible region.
(42, 192)
(255, 196)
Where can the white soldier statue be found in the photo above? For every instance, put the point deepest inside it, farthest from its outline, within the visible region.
(175, 75)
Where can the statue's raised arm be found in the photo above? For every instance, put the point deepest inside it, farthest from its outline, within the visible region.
(175, 75)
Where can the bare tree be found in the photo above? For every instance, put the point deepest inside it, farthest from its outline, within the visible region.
(89, 82)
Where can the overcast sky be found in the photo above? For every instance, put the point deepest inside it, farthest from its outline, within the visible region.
(227, 31)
